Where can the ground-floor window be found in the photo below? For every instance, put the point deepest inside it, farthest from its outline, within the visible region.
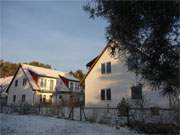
(23, 98)
(50, 98)
(136, 92)
(102, 94)
(14, 98)
(106, 94)
(44, 98)
(40, 98)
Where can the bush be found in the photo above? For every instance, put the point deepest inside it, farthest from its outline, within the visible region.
(123, 107)
(151, 128)
(25, 109)
(91, 119)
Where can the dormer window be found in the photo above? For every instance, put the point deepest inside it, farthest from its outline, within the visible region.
(76, 86)
(71, 86)
(51, 84)
(43, 83)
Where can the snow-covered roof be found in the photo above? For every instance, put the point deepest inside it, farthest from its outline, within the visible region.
(4, 82)
(47, 72)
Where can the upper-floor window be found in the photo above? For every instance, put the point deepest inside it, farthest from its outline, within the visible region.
(76, 86)
(51, 84)
(106, 94)
(71, 86)
(106, 67)
(24, 82)
(103, 68)
(43, 83)
(16, 83)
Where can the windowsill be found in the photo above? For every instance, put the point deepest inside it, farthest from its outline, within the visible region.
(106, 73)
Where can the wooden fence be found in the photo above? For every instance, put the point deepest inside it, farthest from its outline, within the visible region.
(146, 115)
(73, 113)
(102, 115)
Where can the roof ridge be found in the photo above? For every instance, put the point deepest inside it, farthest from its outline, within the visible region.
(43, 68)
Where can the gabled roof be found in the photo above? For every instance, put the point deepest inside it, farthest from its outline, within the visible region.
(48, 72)
(31, 71)
(95, 61)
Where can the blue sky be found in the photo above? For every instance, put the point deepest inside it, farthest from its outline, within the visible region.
(58, 33)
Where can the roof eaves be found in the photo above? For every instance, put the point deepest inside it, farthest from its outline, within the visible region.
(13, 78)
(97, 59)
(27, 78)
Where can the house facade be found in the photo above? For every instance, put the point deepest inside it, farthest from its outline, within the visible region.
(35, 85)
(4, 83)
(108, 81)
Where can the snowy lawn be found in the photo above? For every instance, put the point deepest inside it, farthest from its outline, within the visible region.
(41, 125)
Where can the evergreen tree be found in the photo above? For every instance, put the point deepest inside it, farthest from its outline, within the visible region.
(148, 34)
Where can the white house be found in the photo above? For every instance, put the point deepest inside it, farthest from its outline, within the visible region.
(34, 85)
(4, 83)
(108, 81)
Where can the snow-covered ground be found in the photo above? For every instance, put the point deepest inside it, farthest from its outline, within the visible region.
(41, 125)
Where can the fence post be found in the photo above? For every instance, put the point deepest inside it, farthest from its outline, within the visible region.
(128, 109)
(39, 108)
(80, 113)
(1, 108)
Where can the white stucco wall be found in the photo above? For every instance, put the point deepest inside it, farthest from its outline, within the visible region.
(120, 82)
(20, 90)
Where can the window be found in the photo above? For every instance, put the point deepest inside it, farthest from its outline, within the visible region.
(50, 98)
(108, 67)
(16, 83)
(43, 83)
(136, 92)
(108, 94)
(102, 94)
(40, 98)
(23, 98)
(71, 86)
(51, 84)
(14, 98)
(44, 98)
(102, 68)
(76, 86)
(24, 81)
